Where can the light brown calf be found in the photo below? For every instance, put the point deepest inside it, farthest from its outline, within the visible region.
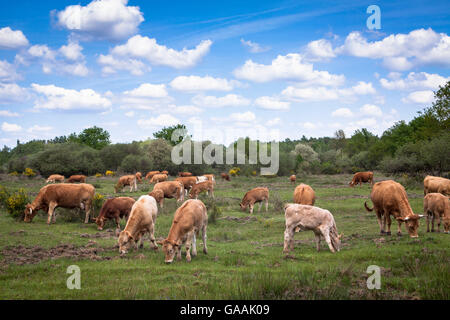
(304, 194)
(187, 182)
(197, 188)
(361, 177)
(259, 194)
(437, 206)
(167, 189)
(433, 184)
(55, 178)
(77, 178)
(128, 180)
(158, 178)
(151, 174)
(293, 178)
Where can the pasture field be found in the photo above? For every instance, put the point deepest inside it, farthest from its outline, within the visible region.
(245, 259)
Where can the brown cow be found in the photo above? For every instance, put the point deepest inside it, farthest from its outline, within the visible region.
(197, 188)
(141, 221)
(115, 208)
(139, 176)
(128, 180)
(304, 194)
(158, 178)
(184, 174)
(151, 174)
(390, 198)
(437, 206)
(165, 172)
(77, 178)
(188, 220)
(225, 176)
(258, 194)
(167, 189)
(293, 178)
(433, 184)
(55, 177)
(305, 217)
(211, 178)
(187, 182)
(63, 195)
(361, 177)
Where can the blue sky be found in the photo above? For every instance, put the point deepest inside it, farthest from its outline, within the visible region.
(224, 69)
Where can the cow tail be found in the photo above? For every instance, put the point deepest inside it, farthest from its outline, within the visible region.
(367, 208)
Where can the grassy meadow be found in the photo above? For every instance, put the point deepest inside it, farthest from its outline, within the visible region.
(245, 259)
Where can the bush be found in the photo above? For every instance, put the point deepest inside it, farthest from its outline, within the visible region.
(4, 195)
(97, 203)
(213, 211)
(98, 175)
(110, 173)
(16, 203)
(29, 173)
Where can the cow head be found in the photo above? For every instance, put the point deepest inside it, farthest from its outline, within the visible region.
(446, 221)
(170, 248)
(243, 206)
(412, 224)
(351, 183)
(126, 240)
(29, 213)
(100, 223)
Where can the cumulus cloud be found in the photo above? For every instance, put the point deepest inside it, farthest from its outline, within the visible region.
(342, 112)
(11, 92)
(101, 19)
(273, 122)
(196, 83)
(419, 80)
(10, 39)
(111, 65)
(39, 129)
(8, 72)
(7, 113)
(401, 51)
(288, 67)
(327, 94)
(52, 97)
(272, 103)
(144, 48)
(163, 120)
(185, 109)
(11, 127)
(230, 100)
(419, 97)
(371, 110)
(319, 50)
(148, 90)
(254, 47)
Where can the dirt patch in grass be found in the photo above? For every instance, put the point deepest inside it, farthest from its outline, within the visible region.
(21, 255)
(237, 219)
(108, 233)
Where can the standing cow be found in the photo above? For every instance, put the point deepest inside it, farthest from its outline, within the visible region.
(304, 194)
(437, 207)
(115, 208)
(253, 196)
(361, 177)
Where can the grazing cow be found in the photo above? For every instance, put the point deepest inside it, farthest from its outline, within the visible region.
(141, 221)
(165, 172)
(187, 182)
(390, 198)
(139, 176)
(437, 206)
(55, 177)
(361, 177)
(63, 195)
(433, 184)
(293, 178)
(196, 189)
(77, 178)
(305, 217)
(304, 194)
(225, 176)
(167, 189)
(188, 220)
(151, 174)
(211, 178)
(259, 194)
(158, 178)
(114, 208)
(128, 180)
(201, 179)
(184, 174)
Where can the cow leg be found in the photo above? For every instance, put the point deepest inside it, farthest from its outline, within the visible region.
(326, 234)
(51, 211)
(117, 222)
(428, 221)
(317, 240)
(438, 221)
(251, 208)
(267, 205)
(288, 239)
(188, 247)
(179, 253)
(380, 221)
(153, 243)
(432, 221)
(388, 222)
(194, 245)
(205, 249)
(260, 205)
(88, 207)
(399, 230)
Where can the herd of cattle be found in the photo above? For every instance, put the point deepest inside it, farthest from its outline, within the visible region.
(389, 198)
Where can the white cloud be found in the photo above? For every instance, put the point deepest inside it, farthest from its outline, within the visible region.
(254, 47)
(328, 94)
(162, 120)
(57, 98)
(11, 127)
(247, 116)
(139, 47)
(401, 51)
(274, 122)
(319, 50)
(419, 97)
(101, 19)
(230, 100)
(7, 72)
(148, 90)
(39, 129)
(7, 113)
(371, 110)
(10, 39)
(420, 80)
(11, 92)
(72, 51)
(288, 67)
(196, 83)
(111, 65)
(310, 125)
(185, 110)
(129, 114)
(272, 103)
(342, 112)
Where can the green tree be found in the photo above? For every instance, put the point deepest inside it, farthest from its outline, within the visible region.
(93, 137)
(166, 133)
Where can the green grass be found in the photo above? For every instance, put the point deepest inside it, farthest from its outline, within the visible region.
(245, 259)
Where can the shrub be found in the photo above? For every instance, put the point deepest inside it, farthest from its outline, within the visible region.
(213, 211)
(29, 173)
(4, 195)
(234, 171)
(110, 173)
(98, 175)
(15, 204)
(97, 203)
(13, 174)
